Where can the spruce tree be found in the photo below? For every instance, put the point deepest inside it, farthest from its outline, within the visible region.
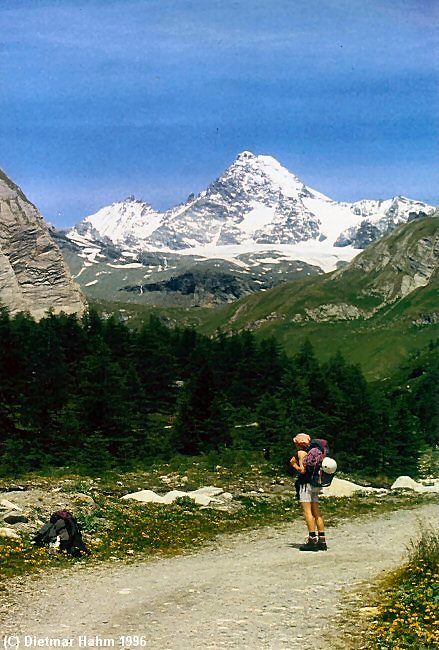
(195, 410)
(156, 368)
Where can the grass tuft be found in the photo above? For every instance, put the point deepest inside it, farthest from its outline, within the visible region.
(408, 614)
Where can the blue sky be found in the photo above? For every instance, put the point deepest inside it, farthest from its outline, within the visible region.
(101, 99)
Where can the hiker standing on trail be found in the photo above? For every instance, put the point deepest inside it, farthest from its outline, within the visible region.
(308, 496)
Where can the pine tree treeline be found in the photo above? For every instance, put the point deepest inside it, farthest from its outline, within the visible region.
(94, 394)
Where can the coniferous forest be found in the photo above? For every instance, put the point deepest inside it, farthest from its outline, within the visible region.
(93, 394)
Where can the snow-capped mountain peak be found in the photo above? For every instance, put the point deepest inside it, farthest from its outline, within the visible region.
(256, 202)
(264, 172)
(127, 222)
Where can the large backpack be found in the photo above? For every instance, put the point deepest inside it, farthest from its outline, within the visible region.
(63, 527)
(318, 451)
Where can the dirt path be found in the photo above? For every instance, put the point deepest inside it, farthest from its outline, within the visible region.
(251, 591)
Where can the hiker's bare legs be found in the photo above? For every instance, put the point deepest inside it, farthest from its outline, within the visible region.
(309, 517)
(315, 513)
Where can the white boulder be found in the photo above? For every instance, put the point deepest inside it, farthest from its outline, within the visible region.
(342, 488)
(144, 496)
(202, 499)
(209, 491)
(173, 495)
(404, 483)
(5, 503)
(407, 483)
(8, 532)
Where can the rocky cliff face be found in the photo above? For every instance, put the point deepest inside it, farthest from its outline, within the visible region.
(198, 288)
(33, 275)
(389, 271)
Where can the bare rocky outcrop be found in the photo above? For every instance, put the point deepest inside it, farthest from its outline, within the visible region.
(333, 312)
(33, 275)
(26, 510)
(398, 265)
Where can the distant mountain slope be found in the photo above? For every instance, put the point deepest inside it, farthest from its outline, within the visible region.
(388, 272)
(105, 272)
(33, 274)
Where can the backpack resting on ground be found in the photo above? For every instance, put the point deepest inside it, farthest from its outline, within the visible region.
(63, 527)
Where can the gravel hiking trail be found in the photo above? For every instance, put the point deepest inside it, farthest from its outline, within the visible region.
(253, 590)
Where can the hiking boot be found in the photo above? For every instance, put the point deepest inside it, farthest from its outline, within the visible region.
(309, 546)
(321, 546)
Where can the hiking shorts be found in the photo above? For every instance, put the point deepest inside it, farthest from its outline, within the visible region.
(309, 494)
